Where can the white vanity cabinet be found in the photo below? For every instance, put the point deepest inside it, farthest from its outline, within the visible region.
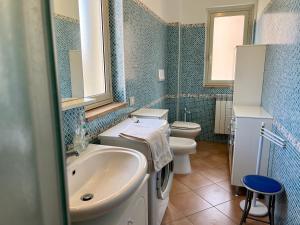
(243, 151)
(133, 211)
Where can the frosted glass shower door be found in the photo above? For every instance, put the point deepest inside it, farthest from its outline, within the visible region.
(31, 154)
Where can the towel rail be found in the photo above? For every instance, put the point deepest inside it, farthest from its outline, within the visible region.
(274, 139)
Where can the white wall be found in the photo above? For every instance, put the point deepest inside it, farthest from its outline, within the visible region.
(168, 10)
(194, 11)
(67, 8)
(188, 11)
(262, 4)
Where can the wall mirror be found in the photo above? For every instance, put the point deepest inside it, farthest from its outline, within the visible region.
(81, 35)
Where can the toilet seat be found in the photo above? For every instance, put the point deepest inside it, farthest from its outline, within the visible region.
(182, 146)
(185, 129)
(185, 125)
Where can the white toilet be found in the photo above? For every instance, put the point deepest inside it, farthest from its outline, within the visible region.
(182, 148)
(182, 138)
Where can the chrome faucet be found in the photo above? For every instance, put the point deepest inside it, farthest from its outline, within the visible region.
(72, 153)
(185, 114)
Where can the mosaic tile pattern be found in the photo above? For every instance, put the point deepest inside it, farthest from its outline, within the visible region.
(67, 35)
(191, 94)
(279, 27)
(148, 49)
(147, 10)
(172, 59)
(202, 110)
(284, 166)
(145, 40)
(71, 119)
(117, 53)
(144, 54)
(192, 62)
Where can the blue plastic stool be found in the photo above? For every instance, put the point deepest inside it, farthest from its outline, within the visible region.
(261, 185)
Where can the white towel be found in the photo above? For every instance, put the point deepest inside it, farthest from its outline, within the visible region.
(156, 140)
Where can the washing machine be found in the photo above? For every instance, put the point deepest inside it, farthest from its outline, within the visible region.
(160, 183)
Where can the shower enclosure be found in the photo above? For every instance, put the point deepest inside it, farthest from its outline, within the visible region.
(32, 160)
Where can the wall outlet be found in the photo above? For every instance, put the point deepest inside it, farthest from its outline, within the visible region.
(131, 101)
(161, 75)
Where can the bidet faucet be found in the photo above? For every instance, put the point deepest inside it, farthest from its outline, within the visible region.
(186, 112)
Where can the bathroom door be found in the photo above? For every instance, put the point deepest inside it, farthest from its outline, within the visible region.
(32, 188)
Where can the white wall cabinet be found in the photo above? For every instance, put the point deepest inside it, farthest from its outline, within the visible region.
(248, 115)
(249, 72)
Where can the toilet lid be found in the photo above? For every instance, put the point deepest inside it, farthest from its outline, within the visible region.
(182, 145)
(185, 125)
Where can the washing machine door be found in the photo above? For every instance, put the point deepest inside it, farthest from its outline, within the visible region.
(164, 181)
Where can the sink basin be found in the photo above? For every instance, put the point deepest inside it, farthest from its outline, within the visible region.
(101, 178)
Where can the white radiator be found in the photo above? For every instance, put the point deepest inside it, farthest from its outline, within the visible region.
(223, 114)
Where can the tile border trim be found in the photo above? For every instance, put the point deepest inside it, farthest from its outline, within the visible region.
(204, 96)
(287, 135)
(192, 25)
(155, 102)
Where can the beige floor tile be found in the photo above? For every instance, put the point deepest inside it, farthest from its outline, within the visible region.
(213, 148)
(178, 187)
(232, 210)
(214, 194)
(199, 165)
(215, 175)
(227, 186)
(210, 217)
(181, 222)
(194, 180)
(172, 214)
(200, 154)
(189, 203)
(208, 182)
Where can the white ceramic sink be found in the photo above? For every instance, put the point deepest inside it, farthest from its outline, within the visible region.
(110, 174)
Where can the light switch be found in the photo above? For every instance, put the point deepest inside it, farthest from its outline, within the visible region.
(161, 75)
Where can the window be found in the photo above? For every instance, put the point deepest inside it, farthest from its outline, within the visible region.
(227, 27)
(95, 50)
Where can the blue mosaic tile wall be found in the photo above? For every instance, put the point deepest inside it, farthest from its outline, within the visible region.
(71, 117)
(150, 44)
(172, 59)
(202, 110)
(192, 62)
(117, 53)
(67, 38)
(144, 37)
(145, 53)
(279, 27)
(192, 50)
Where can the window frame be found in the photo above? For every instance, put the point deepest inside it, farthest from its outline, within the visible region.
(107, 97)
(248, 12)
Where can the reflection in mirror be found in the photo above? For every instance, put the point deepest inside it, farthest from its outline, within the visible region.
(76, 74)
(82, 46)
(92, 47)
